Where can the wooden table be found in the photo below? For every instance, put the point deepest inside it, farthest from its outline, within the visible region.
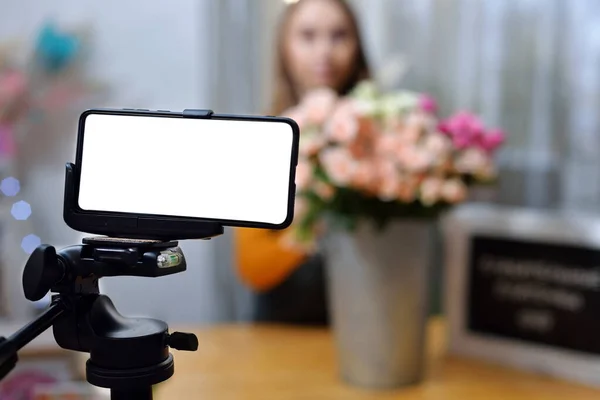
(274, 362)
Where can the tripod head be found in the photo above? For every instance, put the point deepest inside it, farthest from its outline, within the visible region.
(123, 198)
(127, 355)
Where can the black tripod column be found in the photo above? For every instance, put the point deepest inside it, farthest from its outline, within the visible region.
(131, 394)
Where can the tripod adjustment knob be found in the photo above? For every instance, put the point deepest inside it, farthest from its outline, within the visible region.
(182, 341)
(42, 271)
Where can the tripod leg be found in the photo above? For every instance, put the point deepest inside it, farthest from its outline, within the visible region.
(131, 394)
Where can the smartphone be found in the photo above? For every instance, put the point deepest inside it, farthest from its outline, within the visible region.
(182, 167)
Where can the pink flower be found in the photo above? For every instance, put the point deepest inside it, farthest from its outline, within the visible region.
(7, 141)
(454, 191)
(492, 140)
(303, 175)
(339, 165)
(431, 190)
(428, 104)
(12, 84)
(465, 129)
(343, 126)
(319, 105)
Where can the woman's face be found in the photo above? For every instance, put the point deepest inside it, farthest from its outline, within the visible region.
(320, 46)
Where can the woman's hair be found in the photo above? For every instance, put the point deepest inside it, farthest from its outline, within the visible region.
(284, 93)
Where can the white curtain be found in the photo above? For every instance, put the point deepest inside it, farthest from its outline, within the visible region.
(529, 66)
(239, 63)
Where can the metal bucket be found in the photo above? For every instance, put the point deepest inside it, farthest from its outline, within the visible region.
(378, 289)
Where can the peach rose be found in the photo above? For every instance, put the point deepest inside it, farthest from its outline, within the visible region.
(298, 114)
(304, 174)
(364, 174)
(413, 128)
(343, 126)
(407, 191)
(339, 165)
(319, 104)
(385, 168)
(415, 159)
(454, 191)
(324, 190)
(387, 144)
(431, 190)
(437, 145)
(311, 143)
(471, 160)
(389, 189)
(388, 180)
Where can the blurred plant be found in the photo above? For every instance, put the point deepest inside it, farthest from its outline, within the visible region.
(48, 81)
(379, 156)
(44, 82)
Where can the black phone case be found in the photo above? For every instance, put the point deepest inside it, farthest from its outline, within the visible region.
(147, 226)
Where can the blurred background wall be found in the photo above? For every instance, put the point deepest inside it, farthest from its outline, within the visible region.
(149, 55)
(530, 66)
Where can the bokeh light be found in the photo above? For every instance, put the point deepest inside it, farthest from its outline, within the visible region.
(21, 210)
(10, 186)
(30, 243)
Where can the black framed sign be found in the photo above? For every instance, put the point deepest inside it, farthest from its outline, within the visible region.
(544, 293)
(522, 289)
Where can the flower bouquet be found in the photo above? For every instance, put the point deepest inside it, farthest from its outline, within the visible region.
(381, 156)
(387, 159)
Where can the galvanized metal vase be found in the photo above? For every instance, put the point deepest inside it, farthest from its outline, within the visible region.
(378, 291)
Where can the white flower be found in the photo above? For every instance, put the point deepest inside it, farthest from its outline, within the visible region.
(396, 103)
(366, 90)
(454, 191)
(431, 190)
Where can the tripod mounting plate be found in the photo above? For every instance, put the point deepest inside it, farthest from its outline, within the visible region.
(126, 243)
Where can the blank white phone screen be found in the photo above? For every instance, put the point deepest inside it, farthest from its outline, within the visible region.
(200, 168)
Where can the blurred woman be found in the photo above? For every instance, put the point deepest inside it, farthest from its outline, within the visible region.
(318, 46)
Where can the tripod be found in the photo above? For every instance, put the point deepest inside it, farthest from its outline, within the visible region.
(127, 355)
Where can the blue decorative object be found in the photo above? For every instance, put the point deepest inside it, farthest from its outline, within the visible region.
(10, 186)
(56, 49)
(21, 210)
(30, 243)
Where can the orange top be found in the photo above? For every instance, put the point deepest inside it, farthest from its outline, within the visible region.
(262, 260)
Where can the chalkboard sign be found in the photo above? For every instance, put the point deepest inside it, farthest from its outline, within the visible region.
(535, 292)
